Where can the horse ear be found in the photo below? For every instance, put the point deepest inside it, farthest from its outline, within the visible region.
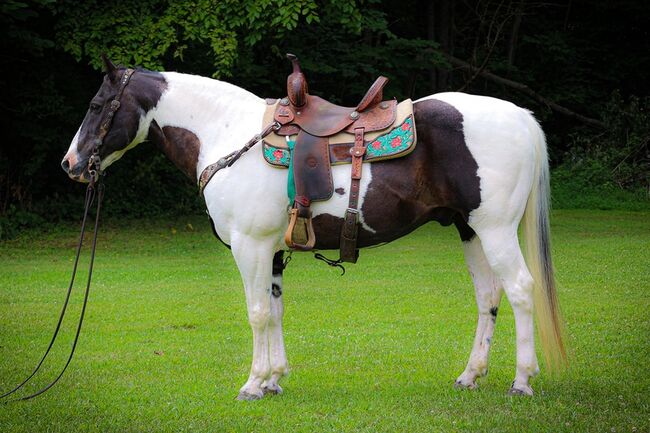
(110, 68)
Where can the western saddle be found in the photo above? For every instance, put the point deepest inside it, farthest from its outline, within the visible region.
(308, 135)
(313, 120)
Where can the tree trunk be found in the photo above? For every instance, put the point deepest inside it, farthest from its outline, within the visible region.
(431, 35)
(443, 38)
(514, 34)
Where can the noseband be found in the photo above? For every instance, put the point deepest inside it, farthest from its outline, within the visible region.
(94, 187)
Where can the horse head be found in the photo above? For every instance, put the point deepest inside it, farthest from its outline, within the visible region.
(128, 127)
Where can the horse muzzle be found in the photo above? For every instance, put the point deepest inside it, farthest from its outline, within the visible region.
(75, 170)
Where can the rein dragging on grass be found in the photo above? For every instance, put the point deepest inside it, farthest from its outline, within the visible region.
(95, 189)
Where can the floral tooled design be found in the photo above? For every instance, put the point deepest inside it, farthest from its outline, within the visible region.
(396, 141)
(277, 156)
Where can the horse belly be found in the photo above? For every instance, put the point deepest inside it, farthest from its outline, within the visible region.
(389, 205)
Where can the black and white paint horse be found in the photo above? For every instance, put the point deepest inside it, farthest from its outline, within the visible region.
(480, 164)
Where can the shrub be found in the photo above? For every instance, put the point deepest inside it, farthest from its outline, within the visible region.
(609, 169)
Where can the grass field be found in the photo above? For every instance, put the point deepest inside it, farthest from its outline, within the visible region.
(166, 344)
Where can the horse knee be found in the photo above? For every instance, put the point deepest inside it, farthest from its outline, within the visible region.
(259, 316)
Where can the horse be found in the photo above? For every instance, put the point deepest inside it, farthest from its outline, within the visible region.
(480, 164)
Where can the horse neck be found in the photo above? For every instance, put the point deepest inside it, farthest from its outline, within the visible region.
(198, 120)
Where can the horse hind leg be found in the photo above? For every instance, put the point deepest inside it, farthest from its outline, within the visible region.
(278, 357)
(488, 297)
(502, 251)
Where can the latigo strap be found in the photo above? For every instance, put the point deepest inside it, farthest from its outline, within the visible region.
(349, 252)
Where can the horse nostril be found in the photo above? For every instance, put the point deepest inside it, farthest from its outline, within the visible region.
(65, 165)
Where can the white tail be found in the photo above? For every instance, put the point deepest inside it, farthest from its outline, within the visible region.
(536, 231)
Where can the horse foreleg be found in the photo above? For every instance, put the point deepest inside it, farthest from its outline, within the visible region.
(504, 256)
(488, 297)
(279, 364)
(254, 260)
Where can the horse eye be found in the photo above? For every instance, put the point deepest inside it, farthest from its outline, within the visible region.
(95, 106)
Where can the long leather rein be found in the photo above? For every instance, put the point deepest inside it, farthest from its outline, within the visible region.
(94, 190)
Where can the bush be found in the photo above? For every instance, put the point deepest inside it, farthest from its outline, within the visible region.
(610, 169)
(142, 184)
(15, 220)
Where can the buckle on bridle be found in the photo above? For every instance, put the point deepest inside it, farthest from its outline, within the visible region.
(94, 165)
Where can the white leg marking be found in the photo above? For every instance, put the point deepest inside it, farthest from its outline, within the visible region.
(254, 260)
(504, 256)
(279, 364)
(488, 297)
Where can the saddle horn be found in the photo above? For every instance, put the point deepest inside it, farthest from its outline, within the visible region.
(296, 83)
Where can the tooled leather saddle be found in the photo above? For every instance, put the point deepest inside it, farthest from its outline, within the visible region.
(320, 129)
(308, 135)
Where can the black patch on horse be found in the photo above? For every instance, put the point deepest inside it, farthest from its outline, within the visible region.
(438, 181)
(141, 95)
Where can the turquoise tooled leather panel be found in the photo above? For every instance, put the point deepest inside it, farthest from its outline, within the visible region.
(397, 142)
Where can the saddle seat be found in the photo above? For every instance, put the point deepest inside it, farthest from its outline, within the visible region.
(321, 118)
(309, 122)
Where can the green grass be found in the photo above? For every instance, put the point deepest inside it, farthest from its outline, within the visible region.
(166, 344)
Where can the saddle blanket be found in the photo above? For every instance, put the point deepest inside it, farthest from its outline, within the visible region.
(397, 140)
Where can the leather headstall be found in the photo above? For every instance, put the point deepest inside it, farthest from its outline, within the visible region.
(94, 163)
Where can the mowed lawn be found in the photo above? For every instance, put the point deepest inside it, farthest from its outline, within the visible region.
(166, 344)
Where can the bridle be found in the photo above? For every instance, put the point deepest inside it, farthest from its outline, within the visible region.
(94, 162)
(95, 188)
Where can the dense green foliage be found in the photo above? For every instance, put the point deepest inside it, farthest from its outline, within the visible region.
(608, 170)
(51, 68)
(166, 344)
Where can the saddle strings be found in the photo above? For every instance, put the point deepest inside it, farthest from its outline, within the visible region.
(93, 189)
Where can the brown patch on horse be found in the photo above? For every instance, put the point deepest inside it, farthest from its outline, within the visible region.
(151, 86)
(328, 231)
(180, 145)
(438, 181)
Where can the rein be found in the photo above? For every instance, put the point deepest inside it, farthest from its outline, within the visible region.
(94, 190)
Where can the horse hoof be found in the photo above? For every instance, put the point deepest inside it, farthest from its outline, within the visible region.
(273, 389)
(245, 396)
(528, 391)
(461, 385)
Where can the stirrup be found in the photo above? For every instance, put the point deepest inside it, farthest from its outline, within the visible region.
(300, 233)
